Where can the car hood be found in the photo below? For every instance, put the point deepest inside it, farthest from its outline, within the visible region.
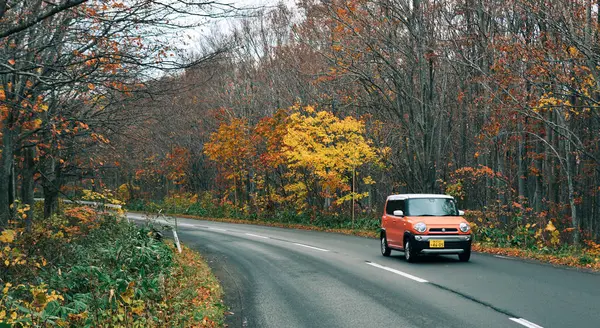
(438, 221)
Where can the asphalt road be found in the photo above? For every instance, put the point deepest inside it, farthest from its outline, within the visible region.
(276, 277)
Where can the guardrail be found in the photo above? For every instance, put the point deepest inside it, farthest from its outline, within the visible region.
(84, 202)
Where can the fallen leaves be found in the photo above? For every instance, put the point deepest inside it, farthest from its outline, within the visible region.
(579, 260)
(193, 289)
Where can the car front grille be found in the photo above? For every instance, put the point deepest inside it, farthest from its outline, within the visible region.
(441, 230)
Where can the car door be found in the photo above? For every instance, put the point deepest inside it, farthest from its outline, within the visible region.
(394, 223)
(386, 223)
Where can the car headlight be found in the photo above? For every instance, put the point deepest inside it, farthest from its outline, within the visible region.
(464, 227)
(420, 227)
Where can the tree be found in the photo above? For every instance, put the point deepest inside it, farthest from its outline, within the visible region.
(69, 84)
(323, 148)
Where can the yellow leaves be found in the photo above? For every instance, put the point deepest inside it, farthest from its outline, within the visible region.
(43, 108)
(554, 234)
(8, 236)
(555, 238)
(573, 52)
(138, 307)
(6, 288)
(314, 146)
(36, 124)
(41, 264)
(127, 295)
(327, 146)
(550, 227)
(349, 197)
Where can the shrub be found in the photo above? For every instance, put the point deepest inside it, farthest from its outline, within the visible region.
(84, 269)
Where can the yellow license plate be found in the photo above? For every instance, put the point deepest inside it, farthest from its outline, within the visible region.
(436, 243)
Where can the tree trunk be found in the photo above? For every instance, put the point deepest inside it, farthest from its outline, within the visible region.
(50, 201)
(27, 186)
(571, 190)
(50, 187)
(6, 166)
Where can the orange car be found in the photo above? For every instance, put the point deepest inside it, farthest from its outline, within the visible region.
(424, 224)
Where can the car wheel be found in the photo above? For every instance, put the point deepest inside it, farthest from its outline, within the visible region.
(409, 254)
(385, 250)
(464, 257)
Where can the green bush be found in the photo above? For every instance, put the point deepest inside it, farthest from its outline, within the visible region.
(136, 205)
(205, 206)
(113, 273)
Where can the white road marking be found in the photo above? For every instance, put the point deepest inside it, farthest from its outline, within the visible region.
(311, 247)
(525, 323)
(218, 229)
(257, 236)
(404, 274)
(503, 257)
(186, 225)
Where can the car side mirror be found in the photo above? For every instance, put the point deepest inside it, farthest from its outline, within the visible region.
(398, 213)
(461, 213)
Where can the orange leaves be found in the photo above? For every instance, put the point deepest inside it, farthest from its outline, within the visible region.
(269, 133)
(176, 163)
(574, 260)
(230, 146)
(32, 125)
(82, 214)
(11, 62)
(99, 138)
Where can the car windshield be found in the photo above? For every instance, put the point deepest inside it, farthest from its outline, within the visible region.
(431, 207)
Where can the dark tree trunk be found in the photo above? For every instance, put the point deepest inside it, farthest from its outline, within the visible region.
(6, 167)
(27, 186)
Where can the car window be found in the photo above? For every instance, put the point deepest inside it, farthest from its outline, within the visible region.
(431, 207)
(393, 205)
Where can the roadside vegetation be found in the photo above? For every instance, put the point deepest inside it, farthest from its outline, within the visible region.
(528, 242)
(82, 268)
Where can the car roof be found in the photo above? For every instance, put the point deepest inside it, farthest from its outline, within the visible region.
(407, 196)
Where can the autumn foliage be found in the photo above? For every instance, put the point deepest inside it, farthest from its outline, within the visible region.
(300, 159)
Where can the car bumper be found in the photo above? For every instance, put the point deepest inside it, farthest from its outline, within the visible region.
(453, 244)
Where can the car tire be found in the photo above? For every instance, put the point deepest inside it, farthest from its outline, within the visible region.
(409, 253)
(385, 250)
(464, 257)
